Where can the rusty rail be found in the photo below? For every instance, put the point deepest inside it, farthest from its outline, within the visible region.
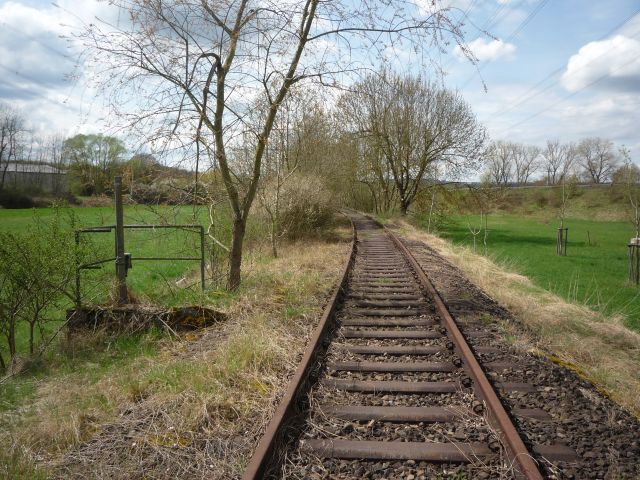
(498, 416)
(268, 450)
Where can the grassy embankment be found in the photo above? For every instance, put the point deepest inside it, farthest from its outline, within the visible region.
(593, 273)
(151, 396)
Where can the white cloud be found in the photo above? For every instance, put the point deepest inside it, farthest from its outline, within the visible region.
(488, 50)
(613, 63)
(37, 56)
(547, 115)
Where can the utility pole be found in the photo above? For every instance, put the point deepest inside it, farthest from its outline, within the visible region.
(121, 260)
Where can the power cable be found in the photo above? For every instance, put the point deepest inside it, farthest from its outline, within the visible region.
(526, 96)
(518, 29)
(490, 23)
(527, 20)
(540, 112)
(34, 39)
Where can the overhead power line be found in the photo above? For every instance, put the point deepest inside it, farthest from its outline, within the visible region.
(526, 21)
(532, 92)
(512, 35)
(37, 40)
(540, 112)
(487, 25)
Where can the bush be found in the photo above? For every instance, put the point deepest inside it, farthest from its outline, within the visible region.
(37, 276)
(14, 199)
(308, 207)
(162, 192)
(541, 199)
(149, 194)
(511, 201)
(69, 198)
(97, 201)
(305, 206)
(617, 194)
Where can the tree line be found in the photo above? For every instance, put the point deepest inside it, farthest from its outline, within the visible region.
(88, 161)
(591, 160)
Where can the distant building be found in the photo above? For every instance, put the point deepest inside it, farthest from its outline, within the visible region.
(33, 177)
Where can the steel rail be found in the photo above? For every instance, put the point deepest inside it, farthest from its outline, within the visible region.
(267, 451)
(498, 416)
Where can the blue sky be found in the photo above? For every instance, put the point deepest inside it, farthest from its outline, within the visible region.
(556, 68)
(563, 69)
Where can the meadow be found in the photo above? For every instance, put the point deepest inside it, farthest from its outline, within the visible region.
(594, 272)
(151, 282)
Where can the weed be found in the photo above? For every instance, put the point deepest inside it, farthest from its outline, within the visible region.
(150, 399)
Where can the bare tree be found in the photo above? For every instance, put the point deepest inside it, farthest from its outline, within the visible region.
(280, 162)
(500, 163)
(375, 173)
(484, 198)
(629, 176)
(567, 192)
(52, 153)
(598, 159)
(525, 162)
(412, 125)
(559, 160)
(197, 66)
(12, 130)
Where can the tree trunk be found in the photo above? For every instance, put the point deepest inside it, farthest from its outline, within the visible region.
(274, 233)
(3, 365)
(486, 233)
(433, 199)
(4, 173)
(404, 206)
(11, 339)
(31, 327)
(235, 254)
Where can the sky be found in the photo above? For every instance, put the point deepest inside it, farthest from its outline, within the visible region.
(565, 69)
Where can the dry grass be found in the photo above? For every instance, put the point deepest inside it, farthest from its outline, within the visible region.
(596, 346)
(196, 408)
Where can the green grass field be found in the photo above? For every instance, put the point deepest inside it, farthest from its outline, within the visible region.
(148, 281)
(594, 272)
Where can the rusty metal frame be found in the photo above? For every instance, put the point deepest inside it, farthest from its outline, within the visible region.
(269, 448)
(195, 228)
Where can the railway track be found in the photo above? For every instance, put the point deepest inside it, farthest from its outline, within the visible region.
(389, 384)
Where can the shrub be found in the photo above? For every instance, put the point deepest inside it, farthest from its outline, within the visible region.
(69, 198)
(148, 194)
(97, 201)
(307, 208)
(303, 206)
(541, 199)
(511, 201)
(37, 275)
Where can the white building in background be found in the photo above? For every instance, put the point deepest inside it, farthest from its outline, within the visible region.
(33, 177)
